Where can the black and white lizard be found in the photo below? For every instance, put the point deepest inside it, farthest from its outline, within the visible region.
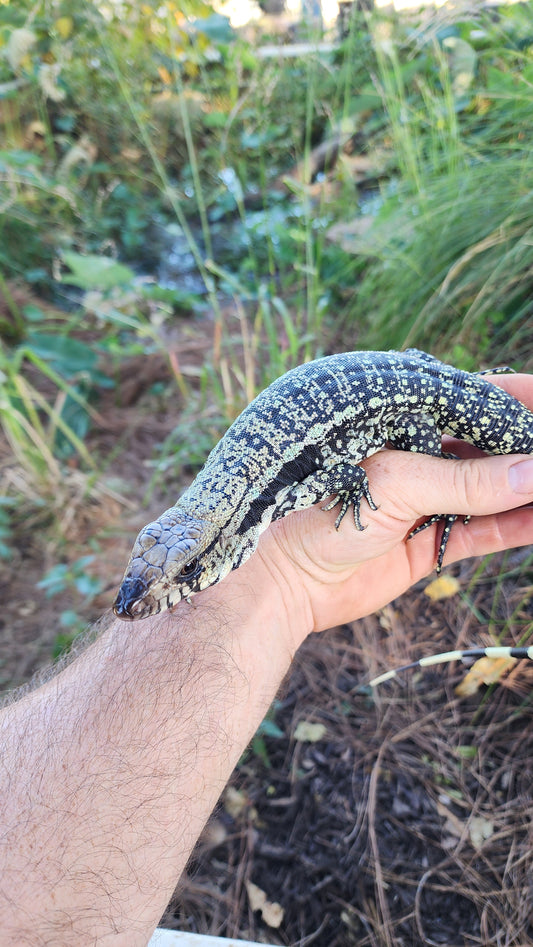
(299, 442)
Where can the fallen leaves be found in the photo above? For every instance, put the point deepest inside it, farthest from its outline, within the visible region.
(271, 912)
(484, 671)
(478, 828)
(307, 732)
(444, 587)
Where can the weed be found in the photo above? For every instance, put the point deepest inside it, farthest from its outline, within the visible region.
(74, 577)
(268, 730)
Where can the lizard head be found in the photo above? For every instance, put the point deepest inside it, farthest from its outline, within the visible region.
(165, 565)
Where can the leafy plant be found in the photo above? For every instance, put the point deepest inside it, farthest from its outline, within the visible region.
(74, 576)
(267, 730)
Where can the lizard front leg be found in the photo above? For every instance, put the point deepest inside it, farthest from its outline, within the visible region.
(347, 482)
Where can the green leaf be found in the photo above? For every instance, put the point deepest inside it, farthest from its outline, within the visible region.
(19, 158)
(33, 313)
(462, 59)
(69, 619)
(95, 272)
(260, 751)
(68, 356)
(466, 752)
(217, 27)
(55, 580)
(216, 119)
(77, 420)
(88, 585)
(268, 728)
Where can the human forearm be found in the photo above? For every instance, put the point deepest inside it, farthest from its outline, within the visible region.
(116, 763)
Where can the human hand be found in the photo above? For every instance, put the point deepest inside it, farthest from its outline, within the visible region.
(339, 576)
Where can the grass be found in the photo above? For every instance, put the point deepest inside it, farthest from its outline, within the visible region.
(455, 268)
(449, 261)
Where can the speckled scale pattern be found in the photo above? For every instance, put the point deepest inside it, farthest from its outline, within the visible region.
(299, 442)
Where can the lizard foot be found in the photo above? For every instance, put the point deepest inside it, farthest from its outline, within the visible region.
(449, 519)
(349, 496)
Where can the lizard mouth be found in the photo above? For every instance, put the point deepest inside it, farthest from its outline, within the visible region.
(132, 600)
(138, 598)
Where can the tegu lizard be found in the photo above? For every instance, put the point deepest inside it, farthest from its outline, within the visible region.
(300, 442)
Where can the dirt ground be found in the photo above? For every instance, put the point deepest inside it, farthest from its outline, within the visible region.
(406, 818)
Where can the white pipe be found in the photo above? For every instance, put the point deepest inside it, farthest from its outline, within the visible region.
(164, 938)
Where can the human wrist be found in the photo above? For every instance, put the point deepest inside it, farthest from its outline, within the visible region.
(266, 593)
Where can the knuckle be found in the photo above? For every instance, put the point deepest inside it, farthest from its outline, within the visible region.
(469, 484)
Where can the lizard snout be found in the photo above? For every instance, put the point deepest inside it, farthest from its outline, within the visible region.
(130, 602)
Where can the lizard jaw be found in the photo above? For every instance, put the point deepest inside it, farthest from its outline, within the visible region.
(132, 600)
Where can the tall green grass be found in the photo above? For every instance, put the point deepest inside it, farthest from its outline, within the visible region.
(456, 267)
(449, 254)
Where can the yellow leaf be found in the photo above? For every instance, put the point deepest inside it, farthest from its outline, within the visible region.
(271, 912)
(307, 732)
(235, 802)
(191, 69)
(480, 830)
(443, 587)
(164, 75)
(64, 26)
(484, 671)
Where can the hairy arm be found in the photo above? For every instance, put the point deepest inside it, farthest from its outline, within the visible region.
(110, 769)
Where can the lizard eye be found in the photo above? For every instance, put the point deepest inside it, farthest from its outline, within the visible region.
(190, 570)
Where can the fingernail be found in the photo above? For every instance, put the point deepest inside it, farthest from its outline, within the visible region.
(521, 476)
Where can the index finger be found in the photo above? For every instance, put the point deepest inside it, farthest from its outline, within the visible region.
(520, 386)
